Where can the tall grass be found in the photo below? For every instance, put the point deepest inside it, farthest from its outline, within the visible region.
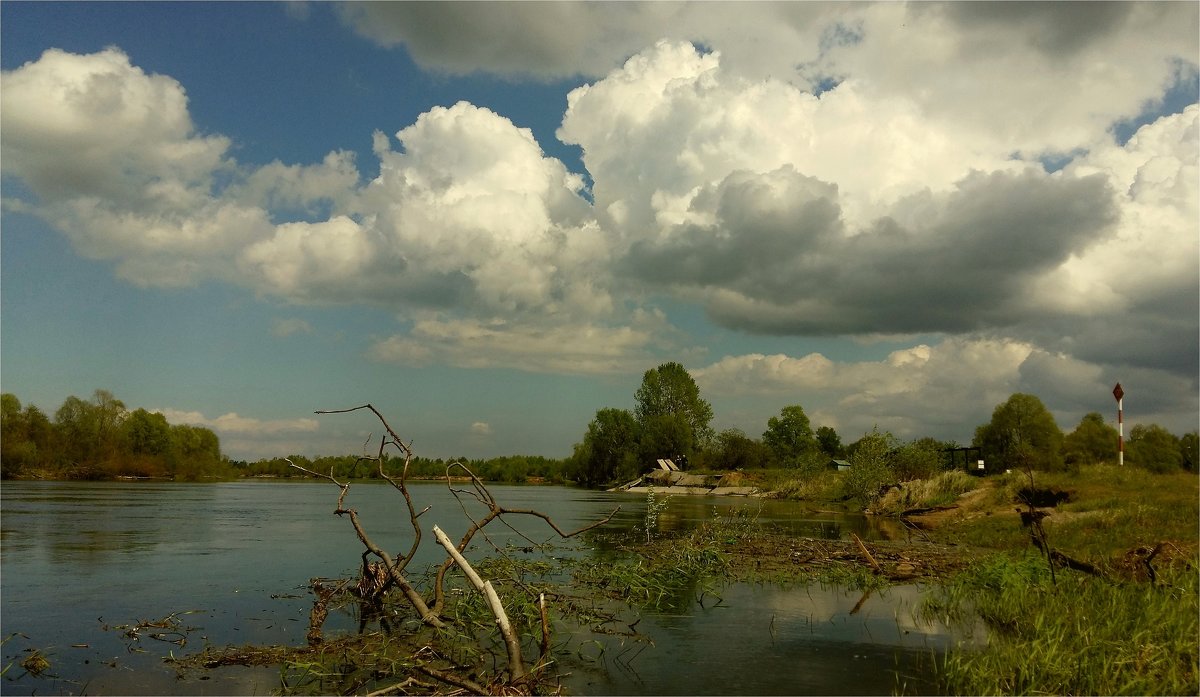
(803, 485)
(1081, 635)
(940, 490)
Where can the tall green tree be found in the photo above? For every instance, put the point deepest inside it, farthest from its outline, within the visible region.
(78, 435)
(790, 436)
(1093, 441)
(665, 436)
(609, 449)
(196, 452)
(146, 433)
(829, 441)
(736, 450)
(1154, 448)
(18, 452)
(1022, 433)
(670, 391)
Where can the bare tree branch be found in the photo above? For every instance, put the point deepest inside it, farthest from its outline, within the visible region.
(516, 666)
(372, 584)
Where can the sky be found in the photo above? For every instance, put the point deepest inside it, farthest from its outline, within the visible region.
(490, 219)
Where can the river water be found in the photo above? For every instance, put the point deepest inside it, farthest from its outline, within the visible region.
(230, 564)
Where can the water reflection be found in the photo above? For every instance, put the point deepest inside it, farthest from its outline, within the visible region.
(79, 556)
(771, 640)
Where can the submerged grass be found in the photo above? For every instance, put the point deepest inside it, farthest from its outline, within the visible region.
(1081, 635)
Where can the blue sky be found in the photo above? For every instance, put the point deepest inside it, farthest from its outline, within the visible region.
(489, 219)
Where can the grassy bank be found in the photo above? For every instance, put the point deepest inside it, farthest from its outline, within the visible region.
(1130, 629)
(1070, 634)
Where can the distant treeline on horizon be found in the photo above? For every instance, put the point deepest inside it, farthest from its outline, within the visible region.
(100, 439)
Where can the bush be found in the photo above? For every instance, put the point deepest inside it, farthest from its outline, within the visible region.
(869, 471)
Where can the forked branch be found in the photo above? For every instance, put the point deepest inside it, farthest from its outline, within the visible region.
(394, 566)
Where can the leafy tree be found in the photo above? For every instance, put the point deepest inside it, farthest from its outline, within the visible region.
(99, 438)
(146, 433)
(146, 438)
(79, 436)
(18, 452)
(665, 436)
(918, 459)
(609, 449)
(829, 442)
(869, 467)
(735, 450)
(109, 413)
(670, 391)
(196, 450)
(790, 436)
(1022, 432)
(1093, 441)
(1154, 448)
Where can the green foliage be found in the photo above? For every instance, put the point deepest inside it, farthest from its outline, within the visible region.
(609, 449)
(869, 467)
(829, 442)
(147, 433)
(1022, 433)
(669, 390)
(1081, 635)
(735, 450)
(27, 438)
(1189, 444)
(1093, 441)
(790, 436)
(654, 508)
(509, 469)
(919, 459)
(100, 438)
(1154, 448)
(665, 436)
(805, 484)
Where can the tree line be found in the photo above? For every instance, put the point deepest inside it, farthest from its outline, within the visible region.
(510, 469)
(101, 439)
(671, 420)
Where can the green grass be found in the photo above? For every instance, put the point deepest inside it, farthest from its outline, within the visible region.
(824, 486)
(1081, 635)
(941, 490)
(1111, 511)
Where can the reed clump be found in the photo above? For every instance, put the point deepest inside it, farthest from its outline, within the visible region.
(1077, 634)
(940, 490)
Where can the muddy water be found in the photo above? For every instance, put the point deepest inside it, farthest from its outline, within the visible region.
(229, 563)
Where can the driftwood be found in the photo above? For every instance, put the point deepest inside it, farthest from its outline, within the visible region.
(516, 667)
(867, 554)
(388, 571)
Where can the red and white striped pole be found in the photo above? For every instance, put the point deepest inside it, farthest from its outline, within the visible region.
(1120, 395)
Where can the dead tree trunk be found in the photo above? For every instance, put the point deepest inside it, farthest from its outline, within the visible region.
(390, 570)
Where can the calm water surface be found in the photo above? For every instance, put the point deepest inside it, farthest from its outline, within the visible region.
(78, 559)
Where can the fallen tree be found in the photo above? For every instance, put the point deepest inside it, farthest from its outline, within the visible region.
(381, 571)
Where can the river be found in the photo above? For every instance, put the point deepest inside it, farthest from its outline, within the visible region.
(231, 562)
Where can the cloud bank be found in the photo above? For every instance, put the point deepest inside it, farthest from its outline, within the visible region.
(856, 170)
